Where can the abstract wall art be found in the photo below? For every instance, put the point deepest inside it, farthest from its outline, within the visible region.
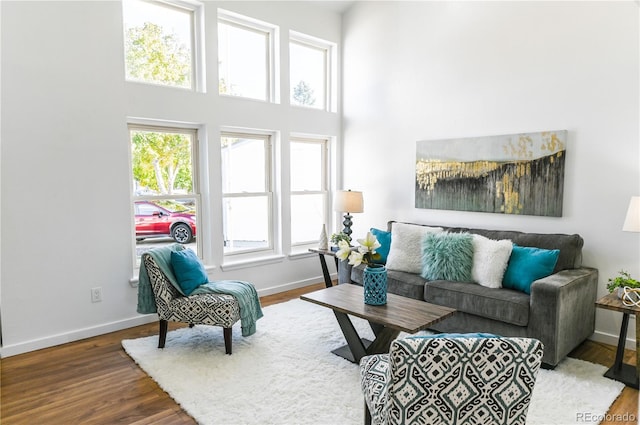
(509, 174)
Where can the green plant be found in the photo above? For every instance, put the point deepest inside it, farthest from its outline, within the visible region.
(337, 237)
(621, 281)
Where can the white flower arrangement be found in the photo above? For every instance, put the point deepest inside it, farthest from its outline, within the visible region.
(366, 252)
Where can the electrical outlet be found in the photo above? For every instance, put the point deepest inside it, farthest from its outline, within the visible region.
(96, 294)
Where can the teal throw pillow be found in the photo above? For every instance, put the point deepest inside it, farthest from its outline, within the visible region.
(385, 244)
(528, 264)
(188, 269)
(447, 256)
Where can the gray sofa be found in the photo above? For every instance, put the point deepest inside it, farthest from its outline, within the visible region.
(560, 311)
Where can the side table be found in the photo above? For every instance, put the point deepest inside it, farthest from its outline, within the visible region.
(323, 263)
(620, 371)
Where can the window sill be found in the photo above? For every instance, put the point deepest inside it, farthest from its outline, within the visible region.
(298, 255)
(134, 280)
(252, 263)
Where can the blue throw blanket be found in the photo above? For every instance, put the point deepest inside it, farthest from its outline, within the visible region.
(244, 292)
(162, 257)
(248, 300)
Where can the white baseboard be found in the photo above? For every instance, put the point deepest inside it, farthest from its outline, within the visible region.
(293, 285)
(53, 340)
(50, 341)
(76, 335)
(607, 338)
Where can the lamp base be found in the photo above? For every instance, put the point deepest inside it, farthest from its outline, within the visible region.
(347, 225)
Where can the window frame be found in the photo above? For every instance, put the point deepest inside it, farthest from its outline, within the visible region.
(195, 10)
(163, 127)
(270, 163)
(330, 68)
(272, 31)
(324, 190)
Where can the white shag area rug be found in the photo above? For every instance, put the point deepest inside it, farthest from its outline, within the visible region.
(286, 374)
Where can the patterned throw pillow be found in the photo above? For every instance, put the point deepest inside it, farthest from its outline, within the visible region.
(447, 256)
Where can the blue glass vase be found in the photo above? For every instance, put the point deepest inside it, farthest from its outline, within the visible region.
(375, 285)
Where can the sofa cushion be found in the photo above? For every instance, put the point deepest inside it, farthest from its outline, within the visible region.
(490, 259)
(384, 238)
(570, 246)
(405, 253)
(528, 264)
(447, 256)
(505, 305)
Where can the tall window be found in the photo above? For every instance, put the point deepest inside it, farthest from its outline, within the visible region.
(246, 50)
(310, 71)
(159, 43)
(165, 189)
(247, 192)
(309, 183)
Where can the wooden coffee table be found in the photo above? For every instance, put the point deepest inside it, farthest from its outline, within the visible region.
(400, 314)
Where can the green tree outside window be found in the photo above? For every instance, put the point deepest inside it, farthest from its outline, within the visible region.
(162, 162)
(155, 57)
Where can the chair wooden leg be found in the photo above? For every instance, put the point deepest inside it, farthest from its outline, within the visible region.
(367, 414)
(162, 337)
(227, 340)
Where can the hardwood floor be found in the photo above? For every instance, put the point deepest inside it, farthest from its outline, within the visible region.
(94, 381)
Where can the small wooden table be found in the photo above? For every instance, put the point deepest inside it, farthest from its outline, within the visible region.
(400, 314)
(323, 263)
(620, 371)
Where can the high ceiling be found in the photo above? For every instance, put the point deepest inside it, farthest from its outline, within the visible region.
(335, 5)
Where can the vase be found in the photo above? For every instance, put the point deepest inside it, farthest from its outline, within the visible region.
(375, 285)
(323, 242)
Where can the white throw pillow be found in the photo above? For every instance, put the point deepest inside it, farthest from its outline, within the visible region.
(405, 253)
(490, 259)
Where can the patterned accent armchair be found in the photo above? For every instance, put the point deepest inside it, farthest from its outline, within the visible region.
(451, 380)
(205, 309)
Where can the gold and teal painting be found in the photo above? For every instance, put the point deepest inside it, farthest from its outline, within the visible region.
(509, 174)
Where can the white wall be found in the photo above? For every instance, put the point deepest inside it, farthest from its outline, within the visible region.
(66, 203)
(435, 70)
(413, 71)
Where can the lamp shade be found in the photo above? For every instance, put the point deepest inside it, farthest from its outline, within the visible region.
(348, 201)
(632, 222)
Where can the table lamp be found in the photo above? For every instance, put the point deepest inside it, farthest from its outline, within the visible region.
(632, 222)
(348, 201)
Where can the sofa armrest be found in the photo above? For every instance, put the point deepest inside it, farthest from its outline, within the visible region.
(562, 311)
(344, 271)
